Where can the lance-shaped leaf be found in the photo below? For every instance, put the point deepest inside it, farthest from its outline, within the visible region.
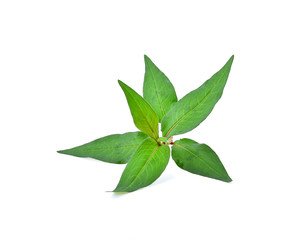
(157, 89)
(116, 148)
(144, 117)
(193, 108)
(145, 166)
(199, 159)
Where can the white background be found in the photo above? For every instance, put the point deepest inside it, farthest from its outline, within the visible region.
(59, 66)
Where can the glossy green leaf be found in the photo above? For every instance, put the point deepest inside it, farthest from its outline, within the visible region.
(157, 89)
(116, 148)
(145, 166)
(144, 117)
(193, 108)
(199, 159)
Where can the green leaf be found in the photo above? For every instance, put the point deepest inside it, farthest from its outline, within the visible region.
(193, 108)
(199, 159)
(145, 166)
(144, 117)
(116, 148)
(157, 89)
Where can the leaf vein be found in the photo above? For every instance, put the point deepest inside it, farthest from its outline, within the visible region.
(131, 146)
(184, 116)
(158, 96)
(192, 153)
(147, 161)
(142, 113)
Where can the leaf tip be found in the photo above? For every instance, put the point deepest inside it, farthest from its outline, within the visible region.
(66, 152)
(122, 84)
(228, 179)
(118, 191)
(148, 61)
(231, 58)
(146, 57)
(229, 62)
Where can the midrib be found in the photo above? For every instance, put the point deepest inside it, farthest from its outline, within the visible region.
(158, 96)
(184, 116)
(192, 153)
(150, 157)
(155, 135)
(99, 149)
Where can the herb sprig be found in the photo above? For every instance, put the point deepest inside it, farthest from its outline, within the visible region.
(145, 152)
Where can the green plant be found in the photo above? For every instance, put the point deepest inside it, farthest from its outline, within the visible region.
(147, 154)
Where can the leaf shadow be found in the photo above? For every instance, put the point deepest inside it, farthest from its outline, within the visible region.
(162, 179)
(119, 194)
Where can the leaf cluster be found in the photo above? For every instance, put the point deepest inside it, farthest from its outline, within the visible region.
(145, 152)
